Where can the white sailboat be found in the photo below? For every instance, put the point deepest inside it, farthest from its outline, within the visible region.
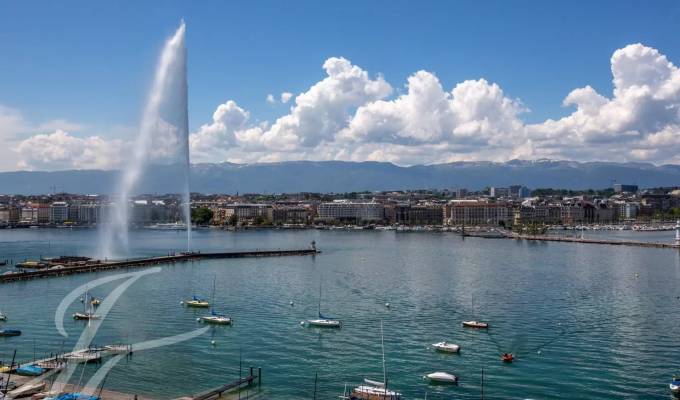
(371, 389)
(88, 312)
(322, 321)
(3, 317)
(215, 318)
(474, 323)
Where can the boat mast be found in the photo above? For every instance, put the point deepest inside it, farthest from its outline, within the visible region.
(382, 345)
(212, 301)
(319, 298)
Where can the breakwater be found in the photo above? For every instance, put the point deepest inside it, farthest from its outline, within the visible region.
(98, 265)
(596, 241)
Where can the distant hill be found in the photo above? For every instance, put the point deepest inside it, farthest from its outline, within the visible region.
(340, 176)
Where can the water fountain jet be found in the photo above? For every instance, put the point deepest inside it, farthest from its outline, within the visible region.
(163, 133)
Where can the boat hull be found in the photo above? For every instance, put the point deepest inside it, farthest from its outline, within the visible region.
(442, 377)
(197, 304)
(444, 347)
(475, 324)
(216, 320)
(9, 332)
(373, 393)
(324, 323)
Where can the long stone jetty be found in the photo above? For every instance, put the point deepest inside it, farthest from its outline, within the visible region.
(98, 265)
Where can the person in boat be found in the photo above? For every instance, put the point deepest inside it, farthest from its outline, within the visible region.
(507, 357)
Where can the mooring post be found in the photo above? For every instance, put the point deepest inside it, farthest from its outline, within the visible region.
(259, 376)
(250, 380)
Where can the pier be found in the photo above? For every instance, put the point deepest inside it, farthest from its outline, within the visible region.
(98, 265)
(545, 238)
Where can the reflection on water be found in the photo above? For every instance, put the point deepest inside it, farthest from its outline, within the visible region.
(584, 321)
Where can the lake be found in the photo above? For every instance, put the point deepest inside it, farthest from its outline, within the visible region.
(584, 321)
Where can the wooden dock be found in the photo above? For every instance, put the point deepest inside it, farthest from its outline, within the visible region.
(237, 384)
(97, 265)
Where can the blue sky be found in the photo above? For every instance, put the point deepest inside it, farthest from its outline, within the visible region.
(91, 63)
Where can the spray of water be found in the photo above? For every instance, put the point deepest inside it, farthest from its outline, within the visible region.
(163, 136)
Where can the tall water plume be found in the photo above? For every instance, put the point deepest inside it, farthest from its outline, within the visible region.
(163, 140)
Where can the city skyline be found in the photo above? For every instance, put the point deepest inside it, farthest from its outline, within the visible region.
(466, 84)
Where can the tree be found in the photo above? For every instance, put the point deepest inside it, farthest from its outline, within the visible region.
(201, 216)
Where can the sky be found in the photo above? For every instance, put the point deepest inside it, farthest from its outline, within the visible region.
(403, 82)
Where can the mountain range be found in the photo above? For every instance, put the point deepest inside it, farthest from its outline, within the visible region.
(342, 176)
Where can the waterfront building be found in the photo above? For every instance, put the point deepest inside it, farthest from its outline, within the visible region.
(10, 215)
(290, 214)
(29, 215)
(348, 211)
(571, 214)
(43, 213)
(58, 212)
(477, 212)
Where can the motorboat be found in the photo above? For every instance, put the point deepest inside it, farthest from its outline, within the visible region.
(442, 377)
(10, 332)
(475, 324)
(197, 302)
(675, 385)
(96, 301)
(30, 370)
(507, 357)
(446, 347)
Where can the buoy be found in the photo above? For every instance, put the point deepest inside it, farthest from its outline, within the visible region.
(538, 352)
(212, 342)
(291, 302)
(387, 305)
(302, 323)
(181, 302)
(198, 320)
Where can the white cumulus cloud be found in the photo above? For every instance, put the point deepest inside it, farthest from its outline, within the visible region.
(353, 115)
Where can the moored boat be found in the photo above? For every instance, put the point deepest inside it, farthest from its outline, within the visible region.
(507, 357)
(442, 377)
(323, 322)
(85, 316)
(118, 348)
(10, 332)
(217, 319)
(675, 385)
(475, 324)
(197, 302)
(30, 370)
(3, 317)
(446, 347)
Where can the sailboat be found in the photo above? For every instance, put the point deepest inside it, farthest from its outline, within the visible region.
(474, 323)
(214, 318)
(374, 390)
(88, 312)
(322, 321)
(3, 317)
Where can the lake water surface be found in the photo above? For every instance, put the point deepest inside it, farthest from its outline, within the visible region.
(585, 321)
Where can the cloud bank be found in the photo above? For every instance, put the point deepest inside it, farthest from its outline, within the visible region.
(352, 115)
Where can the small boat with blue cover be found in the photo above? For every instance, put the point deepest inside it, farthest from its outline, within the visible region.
(30, 370)
(675, 385)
